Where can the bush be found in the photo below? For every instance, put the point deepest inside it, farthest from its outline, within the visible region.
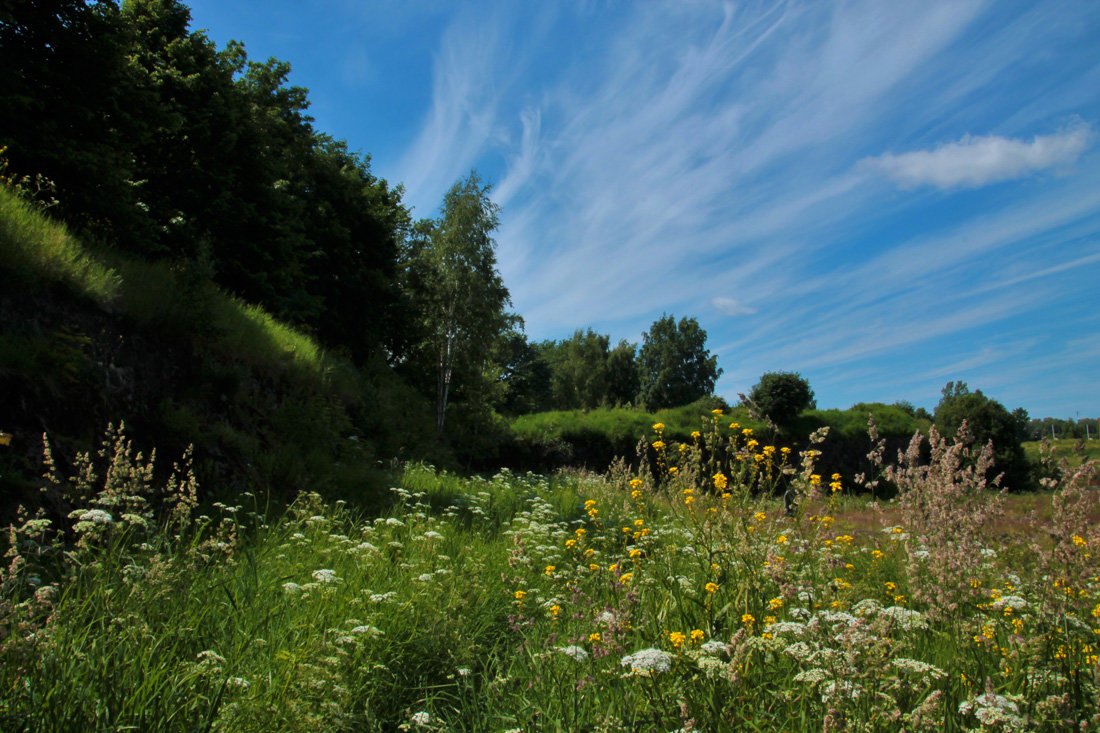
(782, 396)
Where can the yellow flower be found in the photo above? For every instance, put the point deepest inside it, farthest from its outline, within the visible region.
(876, 554)
(658, 444)
(520, 595)
(636, 494)
(785, 450)
(695, 434)
(626, 577)
(579, 532)
(697, 636)
(555, 610)
(891, 586)
(711, 587)
(550, 569)
(658, 426)
(836, 477)
(635, 483)
(594, 638)
(781, 539)
(747, 619)
(775, 603)
(635, 553)
(734, 425)
(677, 638)
(720, 481)
(815, 480)
(589, 552)
(769, 450)
(760, 516)
(689, 500)
(716, 411)
(593, 566)
(1079, 540)
(673, 470)
(569, 543)
(746, 432)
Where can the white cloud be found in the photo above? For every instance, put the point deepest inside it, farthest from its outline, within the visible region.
(977, 161)
(731, 307)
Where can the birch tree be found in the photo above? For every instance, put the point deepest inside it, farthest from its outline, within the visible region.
(461, 296)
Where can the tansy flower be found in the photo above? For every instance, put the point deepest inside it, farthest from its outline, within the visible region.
(720, 481)
(626, 577)
(658, 426)
(673, 470)
(781, 539)
(555, 610)
(760, 516)
(711, 587)
(697, 635)
(677, 639)
(635, 483)
(747, 619)
(520, 595)
(658, 444)
(570, 543)
(716, 411)
(550, 569)
(594, 638)
(696, 434)
(1079, 540)
(775, 603)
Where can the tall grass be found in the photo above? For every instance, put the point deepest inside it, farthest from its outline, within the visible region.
(170, 296)
(676, 599)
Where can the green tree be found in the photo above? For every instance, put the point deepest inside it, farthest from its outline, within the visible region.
(987, 420)
(622, 374)
(579, 371)
(460, 297)
(782, 396)
(674, 366)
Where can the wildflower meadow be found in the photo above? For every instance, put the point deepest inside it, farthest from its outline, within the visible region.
(682, 594)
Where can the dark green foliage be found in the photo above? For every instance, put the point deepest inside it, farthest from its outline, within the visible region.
(674, 365)
(579, 369)
(163, 146)
(623, 384)
(782, 396)
(986, 420)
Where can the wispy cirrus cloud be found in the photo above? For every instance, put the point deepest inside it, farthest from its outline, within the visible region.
(699, 149)
(980, 160)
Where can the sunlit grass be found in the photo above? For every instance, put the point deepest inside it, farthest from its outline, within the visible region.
(671, 600)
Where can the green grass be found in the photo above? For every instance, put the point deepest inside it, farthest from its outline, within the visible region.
(36, 249)
(522, 602)
(1072, 450)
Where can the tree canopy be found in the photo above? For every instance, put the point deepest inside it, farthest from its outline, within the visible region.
(782, 396)
(987, 420)
(674, 366)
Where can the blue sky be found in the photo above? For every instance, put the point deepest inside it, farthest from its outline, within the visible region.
(883, 196)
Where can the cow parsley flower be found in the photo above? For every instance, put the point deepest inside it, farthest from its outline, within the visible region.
(325, 575)
(574, 651)
(648, 660)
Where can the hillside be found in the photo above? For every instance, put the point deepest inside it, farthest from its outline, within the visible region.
(92, 338)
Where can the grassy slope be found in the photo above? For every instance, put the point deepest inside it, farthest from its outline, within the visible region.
(161, 347)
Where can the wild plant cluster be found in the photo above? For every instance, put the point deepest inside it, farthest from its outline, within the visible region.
(682, 596)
